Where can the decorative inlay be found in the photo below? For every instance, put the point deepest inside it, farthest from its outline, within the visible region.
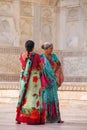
(69, 86)
(26, 9)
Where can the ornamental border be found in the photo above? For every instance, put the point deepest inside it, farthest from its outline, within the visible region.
(79, 87)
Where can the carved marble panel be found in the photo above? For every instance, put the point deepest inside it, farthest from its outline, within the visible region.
(73, 13)
(47, 12)
(6, 8)
(47, 23)
(46, 31)
(72, 35)
(27, 9)
(26, 29)
(53, 2)
(8, 34)
(9, 64)
(69, 2)
(75, 66)
(44, 1)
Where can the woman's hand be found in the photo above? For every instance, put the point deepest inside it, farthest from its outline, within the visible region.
(41, 66)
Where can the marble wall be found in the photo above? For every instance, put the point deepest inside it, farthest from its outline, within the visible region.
(72, 40)
(8, 29)
(21, 20)
(63, 22)
(74, 65)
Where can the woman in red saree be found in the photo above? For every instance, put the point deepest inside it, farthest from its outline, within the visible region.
(29, 107)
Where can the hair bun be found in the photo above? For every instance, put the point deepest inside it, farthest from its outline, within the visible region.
(46, 45)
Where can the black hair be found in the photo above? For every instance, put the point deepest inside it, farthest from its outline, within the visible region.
(29, 45)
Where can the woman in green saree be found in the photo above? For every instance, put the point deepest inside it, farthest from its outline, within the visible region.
(50, 84)
(29, 107)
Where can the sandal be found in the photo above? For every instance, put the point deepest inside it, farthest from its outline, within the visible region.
(60, 121)
(18, 122)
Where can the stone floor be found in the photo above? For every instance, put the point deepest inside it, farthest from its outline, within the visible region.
(73, 112)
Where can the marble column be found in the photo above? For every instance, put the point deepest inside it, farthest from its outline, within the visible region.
(81, 25)
(61, 27)
(36, 25)
(16, 15)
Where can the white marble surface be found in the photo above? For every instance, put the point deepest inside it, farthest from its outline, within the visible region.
(75, 66)
(72, 112)
(9, 91)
